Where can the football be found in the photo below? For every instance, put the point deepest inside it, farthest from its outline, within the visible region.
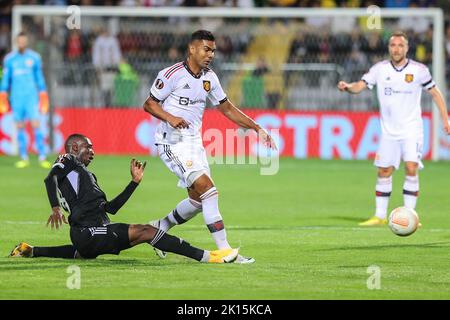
(403, 221)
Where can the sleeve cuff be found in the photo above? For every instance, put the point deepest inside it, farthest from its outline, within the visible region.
(154, 98)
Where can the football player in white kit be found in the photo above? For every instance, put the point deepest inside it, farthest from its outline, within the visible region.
(178, 98)
(399, 82)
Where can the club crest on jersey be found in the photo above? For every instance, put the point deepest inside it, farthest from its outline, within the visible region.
(207, 85)
(159, 84)
(409, 77)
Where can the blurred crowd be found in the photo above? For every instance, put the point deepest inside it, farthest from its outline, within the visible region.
(343, 41)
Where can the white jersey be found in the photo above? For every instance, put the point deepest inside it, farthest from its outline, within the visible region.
(183, 94)
(399, 91)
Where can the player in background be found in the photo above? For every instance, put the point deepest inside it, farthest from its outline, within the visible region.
(399, 84)
(74, 188)
(178, 98)
(23, 83)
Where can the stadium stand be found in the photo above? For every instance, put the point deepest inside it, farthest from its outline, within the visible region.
(328, 48)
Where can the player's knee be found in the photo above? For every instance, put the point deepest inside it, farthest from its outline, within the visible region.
(411, 169)
(202, 183)
(140, 233)
(385, 172)
(148, 231)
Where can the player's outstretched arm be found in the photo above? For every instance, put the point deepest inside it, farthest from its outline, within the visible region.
(354, 87)
(154, 108)
(241, 119)
(137, 172)
(439, 100)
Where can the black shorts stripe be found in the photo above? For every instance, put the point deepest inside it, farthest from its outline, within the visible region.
(173, 158)
(91, 242)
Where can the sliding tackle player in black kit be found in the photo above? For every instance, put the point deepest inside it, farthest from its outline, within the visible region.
(71, 186)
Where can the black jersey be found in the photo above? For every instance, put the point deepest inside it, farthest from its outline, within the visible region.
(71, 186)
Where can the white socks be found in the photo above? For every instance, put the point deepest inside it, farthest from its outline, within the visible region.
(383, 192)
(384, 189)
(213, 219)
(184, 211)
(410, 191)
(206, 256)
(188, 208)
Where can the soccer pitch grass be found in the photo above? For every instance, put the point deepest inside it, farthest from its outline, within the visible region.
(300, 225)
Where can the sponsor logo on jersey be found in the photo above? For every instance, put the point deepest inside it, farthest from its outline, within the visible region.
(184, 101)
(387, 91)
(159, 84)
(207, 85)
(409, 77)
(197, 101)
(186, 86)
(29, 62)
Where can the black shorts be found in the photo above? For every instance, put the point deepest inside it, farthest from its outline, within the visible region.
(91, 242)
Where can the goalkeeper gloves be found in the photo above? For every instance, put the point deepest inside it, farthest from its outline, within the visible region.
(43, 102)
(4, 104)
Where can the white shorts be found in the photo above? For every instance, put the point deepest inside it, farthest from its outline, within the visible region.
(390, 152)
(183, 159)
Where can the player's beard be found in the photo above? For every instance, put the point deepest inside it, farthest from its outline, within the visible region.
(398, 60)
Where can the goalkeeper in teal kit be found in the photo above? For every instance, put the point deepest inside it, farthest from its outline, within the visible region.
(23, 88)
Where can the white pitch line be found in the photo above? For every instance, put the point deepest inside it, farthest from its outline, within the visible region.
(22, 222)
(257, 228)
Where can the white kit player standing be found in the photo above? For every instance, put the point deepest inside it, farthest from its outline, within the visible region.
(178, 98)
(399, 83)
